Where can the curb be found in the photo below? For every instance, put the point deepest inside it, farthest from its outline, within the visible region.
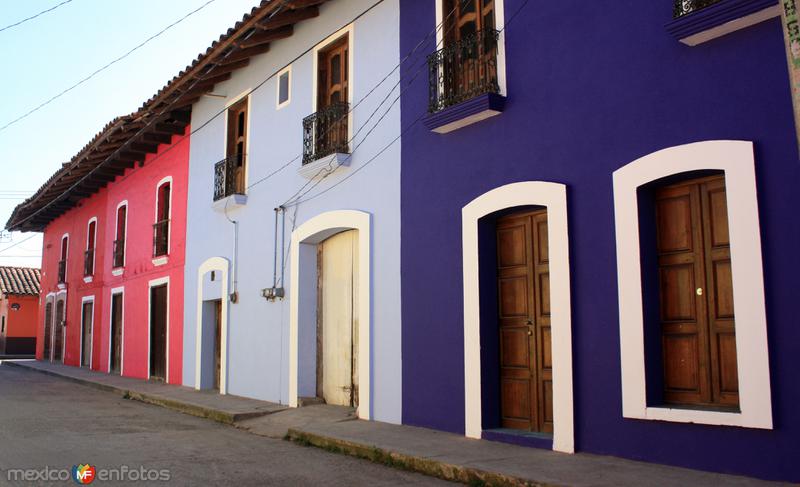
(190, 409)
(402, 461)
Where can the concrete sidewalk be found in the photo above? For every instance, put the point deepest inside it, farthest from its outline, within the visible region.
(206, 404)
(482, 462)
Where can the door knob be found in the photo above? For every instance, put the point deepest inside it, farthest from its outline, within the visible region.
(530, 333)
(699, 291)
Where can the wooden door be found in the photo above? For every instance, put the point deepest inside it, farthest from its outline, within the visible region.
(237, 145)
(58, 332)
(217, 341)
(332, 77)
(158, 332)
(87, 315)
(523, 283)
(696, 294)
(338, 319)
(466, 17)
(116, 334)
(47, 353)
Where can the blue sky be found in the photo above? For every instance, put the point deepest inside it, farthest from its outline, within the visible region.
(50, 53)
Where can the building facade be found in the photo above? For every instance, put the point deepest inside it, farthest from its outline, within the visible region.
(598, 230)
(292, 288)
(19, 310)
(112, 262)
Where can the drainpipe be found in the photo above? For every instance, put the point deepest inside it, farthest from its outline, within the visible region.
(234, 296)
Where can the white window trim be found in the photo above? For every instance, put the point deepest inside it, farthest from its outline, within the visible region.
(554, 197)
(349, 32)
(312, 232)
(162, 259)
(150, 285)
(499, 19)
(117, 271)
(736, 159)
(247, 136)
(115, 291)
(94, 255)
(221, 265)
(65, 258)
(84, 300)
(278, 104)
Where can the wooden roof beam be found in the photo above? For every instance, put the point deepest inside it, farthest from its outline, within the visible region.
(168, 128)
(289, 17)
(245, 54)
(266, 37)
(157, 138)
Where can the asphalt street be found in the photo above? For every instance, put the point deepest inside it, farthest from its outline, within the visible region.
(48, 423)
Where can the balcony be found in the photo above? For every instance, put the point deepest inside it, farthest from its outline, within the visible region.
(464, 86)
(326, 133)
(118, 254)
(685, 7)
(161, 238)
(88, 263)
(62, 272)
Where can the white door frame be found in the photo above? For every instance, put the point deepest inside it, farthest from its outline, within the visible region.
(84, 300)
(114, 292)
(553, 196)
(51, 298)
(150, 285)
(221, 265)
(313, 232)
(61, 295)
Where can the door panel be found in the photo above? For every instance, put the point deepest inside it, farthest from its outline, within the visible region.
(116, 334)
(524, 321)
(158, 332)
(87, 315)
(48, 331)
(217, 342)
(338, 289)
(58, 332)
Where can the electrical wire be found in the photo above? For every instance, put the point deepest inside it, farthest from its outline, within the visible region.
(18, 243)
(34, 16)
(108, 65)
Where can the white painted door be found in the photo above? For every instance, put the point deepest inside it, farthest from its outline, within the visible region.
(338, 305)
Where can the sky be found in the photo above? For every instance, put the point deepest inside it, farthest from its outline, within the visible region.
(50, 53)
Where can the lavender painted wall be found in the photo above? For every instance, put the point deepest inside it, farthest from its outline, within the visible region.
(593, 86)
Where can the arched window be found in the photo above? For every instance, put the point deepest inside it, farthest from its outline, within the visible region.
(62, 261)
(162, 223)
(91, 243)
(119, 240)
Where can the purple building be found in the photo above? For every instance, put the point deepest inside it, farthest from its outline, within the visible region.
(600, 231)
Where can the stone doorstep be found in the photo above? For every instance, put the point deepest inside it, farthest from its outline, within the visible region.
(427, 466)
(219, 415)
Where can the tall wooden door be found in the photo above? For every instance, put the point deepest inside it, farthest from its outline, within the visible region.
(696, 294)
(158, 332)
(87, 315)
(338, 319)
(58, 332)
(523, 283)
(217, 341)
(48, 331)
(333, 74)
(116, 334)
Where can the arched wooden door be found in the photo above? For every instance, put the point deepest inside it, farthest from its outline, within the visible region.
(58, 332)
(47, 353)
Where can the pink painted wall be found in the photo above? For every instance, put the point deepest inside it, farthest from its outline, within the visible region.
(138, 187)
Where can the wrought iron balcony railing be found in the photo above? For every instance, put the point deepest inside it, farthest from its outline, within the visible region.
(62, 271)
(161, 238)
(119, 253)
(685, 7)
(325, 132)
(228, 177)
(88, 263)
(463, 70)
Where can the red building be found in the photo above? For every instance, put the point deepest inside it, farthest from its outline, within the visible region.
(19, 310)
(114, 222)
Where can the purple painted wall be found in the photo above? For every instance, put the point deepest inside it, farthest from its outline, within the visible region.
(593, 86)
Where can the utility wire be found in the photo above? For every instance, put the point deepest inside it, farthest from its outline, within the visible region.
(18, 243)
(34, 16)
(108, 65)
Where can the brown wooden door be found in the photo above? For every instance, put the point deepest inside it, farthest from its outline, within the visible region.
(87, 315)
(237, 144)
(47, 353)
(523, 282)
(466, 17)
(332, 77)
(58, 332)
(116, 334)
(696, 294)
(158, 332)
(217, 342)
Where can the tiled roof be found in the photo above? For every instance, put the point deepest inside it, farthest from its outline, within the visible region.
(19, 280)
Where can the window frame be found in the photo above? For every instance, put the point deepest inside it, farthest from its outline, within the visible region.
(248, 117)
(321, 47)
(278, 104)
(117, 270)
(736, 160)
(94, 254)
(157, 259)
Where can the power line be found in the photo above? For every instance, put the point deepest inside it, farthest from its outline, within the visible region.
(18, 243)
(108, 65)
(34, 16)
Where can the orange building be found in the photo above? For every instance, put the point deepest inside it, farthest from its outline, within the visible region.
(19, 310)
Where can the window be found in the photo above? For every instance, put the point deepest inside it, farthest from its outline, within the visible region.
(284, 87)
(689, 268)
(236, 155)
(88, 258)
(119, 240)
(692, 311)
(161, 226)
(62, 262)
(3, 329)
